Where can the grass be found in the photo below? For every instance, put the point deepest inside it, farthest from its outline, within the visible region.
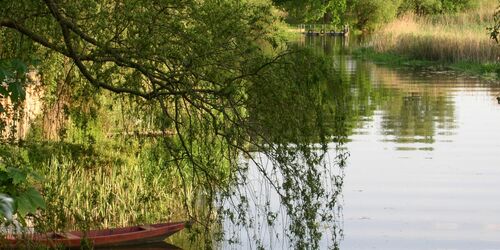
(110, 186)
(92, 180)
(107, 188)
(459, 41)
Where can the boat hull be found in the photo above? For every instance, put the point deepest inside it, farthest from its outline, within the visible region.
(103, 238)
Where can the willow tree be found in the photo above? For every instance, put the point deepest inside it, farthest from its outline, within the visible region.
(192, 66)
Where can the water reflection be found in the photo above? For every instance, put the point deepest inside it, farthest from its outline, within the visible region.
(289, 198)
(423, 171)
(414, 106)
(385, 125)
(414, 111)
(304, 117)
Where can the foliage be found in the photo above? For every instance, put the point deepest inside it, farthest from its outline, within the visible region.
(421, 7)
(426, 7)
(12, 79)
(298, 142)
(15, 182)
(14, 173)
(495, 29)
(12, 76)
(368, 15)
(313, 11)
(454, 6)
(183, 79)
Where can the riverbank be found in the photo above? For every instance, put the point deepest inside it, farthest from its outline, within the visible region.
(489, 71)
(458, 42)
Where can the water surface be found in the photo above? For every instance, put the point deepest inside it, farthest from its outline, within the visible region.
(424, 169)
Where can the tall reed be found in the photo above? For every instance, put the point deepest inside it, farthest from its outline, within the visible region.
(127, 192)
(450, 38)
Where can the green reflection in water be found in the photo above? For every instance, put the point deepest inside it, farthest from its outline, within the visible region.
(295, 118)
(295, 111)
(414, 107)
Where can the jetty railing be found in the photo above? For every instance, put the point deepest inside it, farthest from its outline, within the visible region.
(323, 29)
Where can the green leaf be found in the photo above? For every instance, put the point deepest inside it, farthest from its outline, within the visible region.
(3, 74)
(17, 91)
(28, 202)
(3, 176)
(19, 66)
(35, 198)
(18, 176)
(3, 90)
(23, 205)
(36, 62)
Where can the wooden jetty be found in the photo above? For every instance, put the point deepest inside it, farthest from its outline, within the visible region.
(322, 30)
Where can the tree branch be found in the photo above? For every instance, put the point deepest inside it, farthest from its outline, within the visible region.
(8, 23)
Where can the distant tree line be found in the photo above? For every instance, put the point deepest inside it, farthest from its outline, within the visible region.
(365, 14)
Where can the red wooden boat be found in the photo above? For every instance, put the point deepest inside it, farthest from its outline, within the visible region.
(99, 238)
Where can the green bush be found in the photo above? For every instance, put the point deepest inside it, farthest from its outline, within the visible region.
(426, 7)
(369, 14)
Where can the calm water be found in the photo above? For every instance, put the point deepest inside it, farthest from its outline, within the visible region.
(424, 170)
(424, 165)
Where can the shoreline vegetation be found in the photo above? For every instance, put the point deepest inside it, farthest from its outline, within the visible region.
(458, 42)
(218, 81)
(487, 71)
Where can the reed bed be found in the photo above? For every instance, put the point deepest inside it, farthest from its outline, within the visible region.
(449, 38)
(106, 196)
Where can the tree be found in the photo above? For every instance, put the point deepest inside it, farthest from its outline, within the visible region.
(181, 57)
(362, 14)
(145, 48)
(426, 7)
(314, 11)
(191, 67)
(367, 15)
